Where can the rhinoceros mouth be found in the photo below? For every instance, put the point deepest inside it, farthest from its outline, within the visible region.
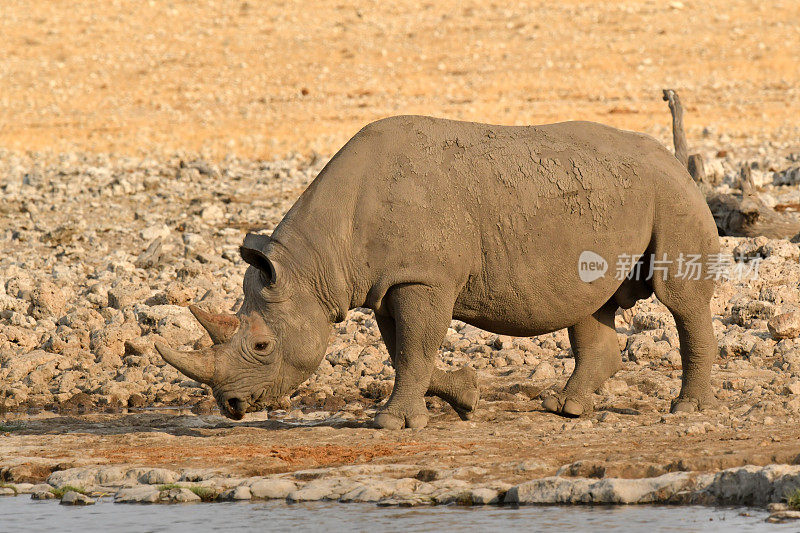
(233, 407)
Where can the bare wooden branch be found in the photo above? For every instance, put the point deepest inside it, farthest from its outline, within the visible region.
(697, 168)
(746, 182)
(678, 134)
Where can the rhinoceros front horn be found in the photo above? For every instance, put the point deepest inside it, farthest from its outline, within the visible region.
(196, 364)
(220, 327)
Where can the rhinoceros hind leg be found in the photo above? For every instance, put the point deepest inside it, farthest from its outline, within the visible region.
(458, 388)
(698, 350)
(597, 357)
(688, 298)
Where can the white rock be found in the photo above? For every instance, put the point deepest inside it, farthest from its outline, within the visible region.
(86, 477)
(158, 476)
(609, 490)
(76, 498)
(484, 496)
(544, 370)
(550, 490)
(241, 492)
(646, 490)
(153, 232)
(179, 495)
(139, 494)
(270, 489)
(212, 213)
(317, 490)
(782, 516)
(531, 464)
(785, 326)
(754, 485)
(370, 491)
(26, 488)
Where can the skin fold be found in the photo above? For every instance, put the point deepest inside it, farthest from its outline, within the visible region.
(424, 220)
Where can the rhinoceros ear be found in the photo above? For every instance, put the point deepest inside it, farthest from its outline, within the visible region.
(252, 251)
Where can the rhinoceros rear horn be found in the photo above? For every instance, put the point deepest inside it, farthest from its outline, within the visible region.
(252, 251)
(220, 327)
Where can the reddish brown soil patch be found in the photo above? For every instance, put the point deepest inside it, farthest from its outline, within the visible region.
(324, 455)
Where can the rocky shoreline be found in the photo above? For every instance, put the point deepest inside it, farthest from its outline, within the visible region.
(404, 485)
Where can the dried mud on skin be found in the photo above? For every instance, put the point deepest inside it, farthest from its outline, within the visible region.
(101, 255)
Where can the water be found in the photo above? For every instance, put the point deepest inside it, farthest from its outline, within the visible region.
(23, 514)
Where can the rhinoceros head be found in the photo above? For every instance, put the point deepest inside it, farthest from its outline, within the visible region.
(273, 344)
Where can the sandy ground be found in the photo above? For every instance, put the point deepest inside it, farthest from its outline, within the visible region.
(260, 79)
(101, 253)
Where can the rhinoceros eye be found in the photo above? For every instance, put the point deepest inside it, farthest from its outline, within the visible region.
(262, 346)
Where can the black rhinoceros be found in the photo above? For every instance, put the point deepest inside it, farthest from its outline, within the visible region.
(424, 220)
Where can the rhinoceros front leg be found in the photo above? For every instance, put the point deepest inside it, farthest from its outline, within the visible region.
(458, 388)
(597, 357)
(421, 317)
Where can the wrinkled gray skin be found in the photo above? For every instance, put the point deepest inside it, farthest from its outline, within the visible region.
(423, 220)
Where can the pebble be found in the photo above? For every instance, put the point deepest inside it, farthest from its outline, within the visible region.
(179, 495)
(236, 493)
(608, 417)
(212, 213)
(543, 370)
(151, 233)
(138, 494)
(785, 326)
(76, 498)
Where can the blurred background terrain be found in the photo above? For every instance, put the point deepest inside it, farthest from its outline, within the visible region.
(260, 79)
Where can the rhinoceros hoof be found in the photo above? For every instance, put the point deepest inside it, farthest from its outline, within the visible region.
(684, 406)
(466, 401)
(568, 407)
(387, 420)
(690, 404)
(467, 404)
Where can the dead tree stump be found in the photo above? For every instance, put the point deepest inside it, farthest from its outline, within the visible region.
(697, 168)
(744, 215)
